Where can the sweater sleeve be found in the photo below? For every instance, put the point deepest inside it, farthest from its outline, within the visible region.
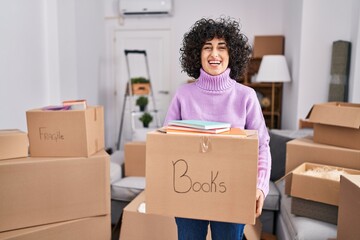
(255, 120)
(174, 110)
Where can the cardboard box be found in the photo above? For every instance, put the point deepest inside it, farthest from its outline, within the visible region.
(305, 123)
(13, 144)
(35, 191)
(337, 123)
(303, 150)
(137, 225)
(268, 45)
(135, 154)
(71, 133)
(140, 88)
(268, 236)
(93, 228)
(349, 208)
(210, 177)
(253, 232)
(322, 190)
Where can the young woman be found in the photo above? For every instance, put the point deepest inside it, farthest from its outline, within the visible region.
(215, 53)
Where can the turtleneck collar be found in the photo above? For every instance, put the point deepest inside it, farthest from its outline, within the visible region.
(215, 83)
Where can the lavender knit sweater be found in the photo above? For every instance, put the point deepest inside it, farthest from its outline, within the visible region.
(220, 98)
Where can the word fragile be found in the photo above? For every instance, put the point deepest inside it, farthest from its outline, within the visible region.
(47, 135)
(184, 183)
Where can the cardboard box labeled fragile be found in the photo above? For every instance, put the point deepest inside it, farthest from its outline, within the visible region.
(337, 123)
(303, 150)
(135, 154)
(66, 133)
(315, 188)
(93, 228)
(349, 208)
(36, 191)
(211, 177)
(13, 144)
(141, 225)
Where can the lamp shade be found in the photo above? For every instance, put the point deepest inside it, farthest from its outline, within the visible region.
(273, 68)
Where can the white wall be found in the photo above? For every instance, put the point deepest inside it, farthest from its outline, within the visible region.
(313, 27)
(23, 82)
(50, 51)
(293, 16)
(354, 92)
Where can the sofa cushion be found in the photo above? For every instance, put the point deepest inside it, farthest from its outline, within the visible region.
(278, 140)
(115, 172)
(127, 188)
(278, 153)
(272, 200)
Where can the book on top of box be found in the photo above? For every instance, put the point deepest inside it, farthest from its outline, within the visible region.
(76, 104)
(200, 124)
(68, 105)
(174, 128)
(224, 131)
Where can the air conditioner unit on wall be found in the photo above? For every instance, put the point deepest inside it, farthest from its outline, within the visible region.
(145, 7)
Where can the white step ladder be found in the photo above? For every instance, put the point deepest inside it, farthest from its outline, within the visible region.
(129, 97)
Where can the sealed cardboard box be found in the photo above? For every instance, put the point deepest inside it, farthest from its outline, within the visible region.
(13, 144)
(303, 150)
(137, 224)
(210, 177)
(66, 133)
(93, 228)
(349, 208)
(268, 45)
(135, 154)
(337, 123)
(35, 191)
(322, 179)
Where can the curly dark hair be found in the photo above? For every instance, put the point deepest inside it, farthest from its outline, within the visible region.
(206, 29)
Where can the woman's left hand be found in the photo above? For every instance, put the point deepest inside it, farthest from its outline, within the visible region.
(259, 202)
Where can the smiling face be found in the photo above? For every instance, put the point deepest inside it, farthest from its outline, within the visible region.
(215, 56)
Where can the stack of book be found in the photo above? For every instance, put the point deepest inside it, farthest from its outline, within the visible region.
(68, 105)
(202, 127)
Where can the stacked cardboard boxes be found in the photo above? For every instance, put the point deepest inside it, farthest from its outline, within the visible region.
(62, 190)
(336, 144)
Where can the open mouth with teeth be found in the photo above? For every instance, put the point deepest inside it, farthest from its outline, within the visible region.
(214, 63)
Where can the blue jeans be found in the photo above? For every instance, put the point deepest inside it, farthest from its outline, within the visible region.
(192, 229)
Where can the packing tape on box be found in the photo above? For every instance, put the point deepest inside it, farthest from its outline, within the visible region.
(142, 207)
(204, 144)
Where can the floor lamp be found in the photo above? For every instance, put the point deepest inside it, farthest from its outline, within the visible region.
(273, 69)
